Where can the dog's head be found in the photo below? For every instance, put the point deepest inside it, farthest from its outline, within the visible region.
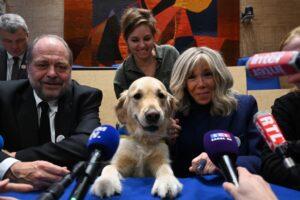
(146, 107)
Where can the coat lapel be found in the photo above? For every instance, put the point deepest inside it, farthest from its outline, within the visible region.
(64, 115)
(22, 74)
(3, 65)
(27, 119)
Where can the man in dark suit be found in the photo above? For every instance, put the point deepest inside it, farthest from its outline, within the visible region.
(14, 38)
(59, 137)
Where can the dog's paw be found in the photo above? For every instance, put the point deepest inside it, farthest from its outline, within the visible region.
(166, 186)
(106, 187)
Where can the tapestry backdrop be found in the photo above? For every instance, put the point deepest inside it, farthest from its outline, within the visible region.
(92, 27)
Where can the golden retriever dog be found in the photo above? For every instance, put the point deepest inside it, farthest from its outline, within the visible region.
(146, 108)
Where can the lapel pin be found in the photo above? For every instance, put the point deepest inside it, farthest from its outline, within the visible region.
(59, 138)
(23, 66)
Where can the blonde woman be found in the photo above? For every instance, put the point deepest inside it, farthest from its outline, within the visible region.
(202, 83)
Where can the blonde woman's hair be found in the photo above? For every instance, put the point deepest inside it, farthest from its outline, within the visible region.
(223, 100)
(293, 33)
(134, 17)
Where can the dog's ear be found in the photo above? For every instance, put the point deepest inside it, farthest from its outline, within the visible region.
(120, 108)
(172, 104)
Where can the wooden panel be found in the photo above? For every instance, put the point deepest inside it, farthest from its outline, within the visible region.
(273, 19)
(239, 78)
(103, 80)
(265, 98)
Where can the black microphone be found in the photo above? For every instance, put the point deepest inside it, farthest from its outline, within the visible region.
(57, 189)
(222, 149)
(103, 143)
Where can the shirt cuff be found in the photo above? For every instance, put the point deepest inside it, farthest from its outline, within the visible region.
(5, 165)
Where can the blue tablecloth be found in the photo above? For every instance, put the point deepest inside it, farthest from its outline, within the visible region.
(209, 187)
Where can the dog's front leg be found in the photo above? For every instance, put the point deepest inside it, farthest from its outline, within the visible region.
(108, 183)
(166, 184)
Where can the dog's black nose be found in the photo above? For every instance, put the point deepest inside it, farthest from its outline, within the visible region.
(152, 117)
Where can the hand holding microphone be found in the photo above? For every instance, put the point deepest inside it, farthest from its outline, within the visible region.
(251, 187)
(202, 165)
(222, 149)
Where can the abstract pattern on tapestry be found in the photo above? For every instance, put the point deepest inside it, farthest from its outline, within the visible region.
(92, 27)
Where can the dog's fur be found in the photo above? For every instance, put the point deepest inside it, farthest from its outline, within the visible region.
(145, 108)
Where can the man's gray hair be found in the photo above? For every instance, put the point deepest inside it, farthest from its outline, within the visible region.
(12, 22)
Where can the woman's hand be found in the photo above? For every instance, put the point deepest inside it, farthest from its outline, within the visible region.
(174, 129)
(209, 167)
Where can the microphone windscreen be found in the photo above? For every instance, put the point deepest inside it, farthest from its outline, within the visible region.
(105, 138)
(1, 142)
(218, 143)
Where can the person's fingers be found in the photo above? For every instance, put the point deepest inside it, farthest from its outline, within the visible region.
(7, 198)
(4, 182)
(230, 188)
(243, 172)
(210, 168)
(200, 167)
(177, 127)
(52, 169)
(3, 185)
(19, 187)
(40, 173)
(194, 163)
(46, 177)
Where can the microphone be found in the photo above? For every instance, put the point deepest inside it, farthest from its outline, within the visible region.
(273, 64)
(202, 163)
(57, 189)
(222, 149)
(103, 143)
(272, 134)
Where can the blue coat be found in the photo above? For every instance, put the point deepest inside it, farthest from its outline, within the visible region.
(189, 144)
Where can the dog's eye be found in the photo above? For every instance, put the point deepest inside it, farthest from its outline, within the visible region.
(137, 96)
(161, 95)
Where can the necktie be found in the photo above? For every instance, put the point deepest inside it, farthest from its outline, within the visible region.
(44, 129)
(15, 69)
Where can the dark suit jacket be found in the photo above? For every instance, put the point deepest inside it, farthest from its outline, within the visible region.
(22, 73)
(76, 118)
